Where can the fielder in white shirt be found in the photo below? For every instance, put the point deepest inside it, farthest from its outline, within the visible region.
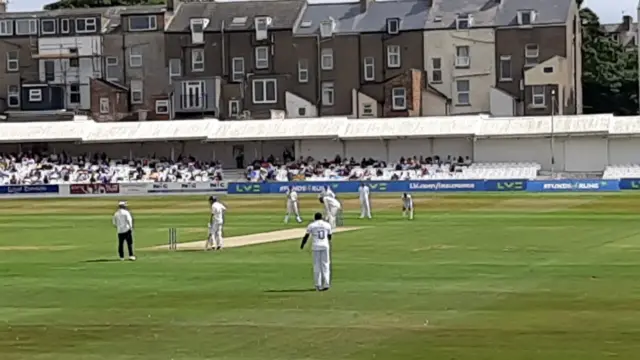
(331, 209)
(123, 222)
(407, 206)
(327, 192)
(215, 224)
(365, 201)
(292, 206)
(320, 231)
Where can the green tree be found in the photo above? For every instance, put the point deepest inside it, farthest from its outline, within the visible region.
(71, 4)
(609, 71)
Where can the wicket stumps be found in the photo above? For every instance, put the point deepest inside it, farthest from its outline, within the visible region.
(173, 239)
(340, 218)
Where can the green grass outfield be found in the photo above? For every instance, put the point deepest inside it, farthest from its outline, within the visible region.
(499, 277)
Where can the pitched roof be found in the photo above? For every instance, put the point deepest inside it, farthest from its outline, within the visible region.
(283, 14)
(547, 11)
(443, 13)
(349, 19)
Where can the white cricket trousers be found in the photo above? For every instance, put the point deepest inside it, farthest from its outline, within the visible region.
(292, 209)
(321, 268)
(215, 234)
(365, 208)
(332, 214)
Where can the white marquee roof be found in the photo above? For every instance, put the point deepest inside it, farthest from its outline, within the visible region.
(319, 128)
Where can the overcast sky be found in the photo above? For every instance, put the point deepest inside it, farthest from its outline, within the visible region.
(610, 11)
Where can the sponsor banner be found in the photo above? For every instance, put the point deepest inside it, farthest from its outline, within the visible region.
(445, 185)
(629, 184)
(87, 189)
(573, 185)
(134, 188)
(29, 189)
(505, 185)
(188, 187)
(249, 188)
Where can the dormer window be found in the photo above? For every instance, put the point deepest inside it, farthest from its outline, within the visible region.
(526, 17)
(326, 28)
(197, 30)
(393, 26)
(463, 22)
(261, 24)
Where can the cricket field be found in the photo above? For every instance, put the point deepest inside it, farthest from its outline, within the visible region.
(488, 276)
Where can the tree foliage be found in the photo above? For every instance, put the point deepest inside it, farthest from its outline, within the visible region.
(72, 4)
(609, 70)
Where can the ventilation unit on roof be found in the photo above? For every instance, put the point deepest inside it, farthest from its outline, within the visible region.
(262, 25)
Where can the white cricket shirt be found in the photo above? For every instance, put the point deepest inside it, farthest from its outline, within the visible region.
(319, 231)
(407, 201)
(327, 193)
(331, 203)
(217, 210)
(123, 221)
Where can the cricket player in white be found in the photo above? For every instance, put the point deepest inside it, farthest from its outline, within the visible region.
(123, 222)
(292, 206)
(331, 209)
(320, 231)
(327, 192)
(365, 201)
(215, 224)
(407, 206)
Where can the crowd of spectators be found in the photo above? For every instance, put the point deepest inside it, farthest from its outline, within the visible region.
(38, 168)
(310, 169)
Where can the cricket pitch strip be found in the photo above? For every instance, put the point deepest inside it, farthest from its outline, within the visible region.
(252, 239)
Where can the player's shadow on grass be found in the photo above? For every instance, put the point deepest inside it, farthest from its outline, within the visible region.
(290, 290)
(101, 260)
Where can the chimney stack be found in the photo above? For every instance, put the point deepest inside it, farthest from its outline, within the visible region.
(171, 5)
(626, 22)
(364, 5)
(3, 6)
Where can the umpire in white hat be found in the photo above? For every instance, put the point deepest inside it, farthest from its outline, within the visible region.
(123, 223)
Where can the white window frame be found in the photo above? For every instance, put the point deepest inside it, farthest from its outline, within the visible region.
(135, 57)
(397, 94)
(6, 27)
(162, 103)
(111, 62)
(463, 22)
(90, 25)
(35, 95)
(55, 26)
(503, 60)
(137, 87)
(394, 58)
(71, 92)
(436, 70)
(264, 82)
(463, 60)
(532, 17)
(393, 26)
(538, 99)
(303, 71)
(199, 103)
(234, 104)
(367, 110)
(104, 105)
(328, 93)
(326, 59)
(197, 65)
(65, 27)
(531, 54)
(262, 57)
(369, 68)
(33, 27)
(172, 65)
(463, 92)
(13, 92)
(53, 67)
(13, 64)
(237, 69)
(153, 22)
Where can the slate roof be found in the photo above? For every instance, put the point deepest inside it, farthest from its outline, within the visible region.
(443, 13)
(282, 12)
(349, 19)
(548, 11)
